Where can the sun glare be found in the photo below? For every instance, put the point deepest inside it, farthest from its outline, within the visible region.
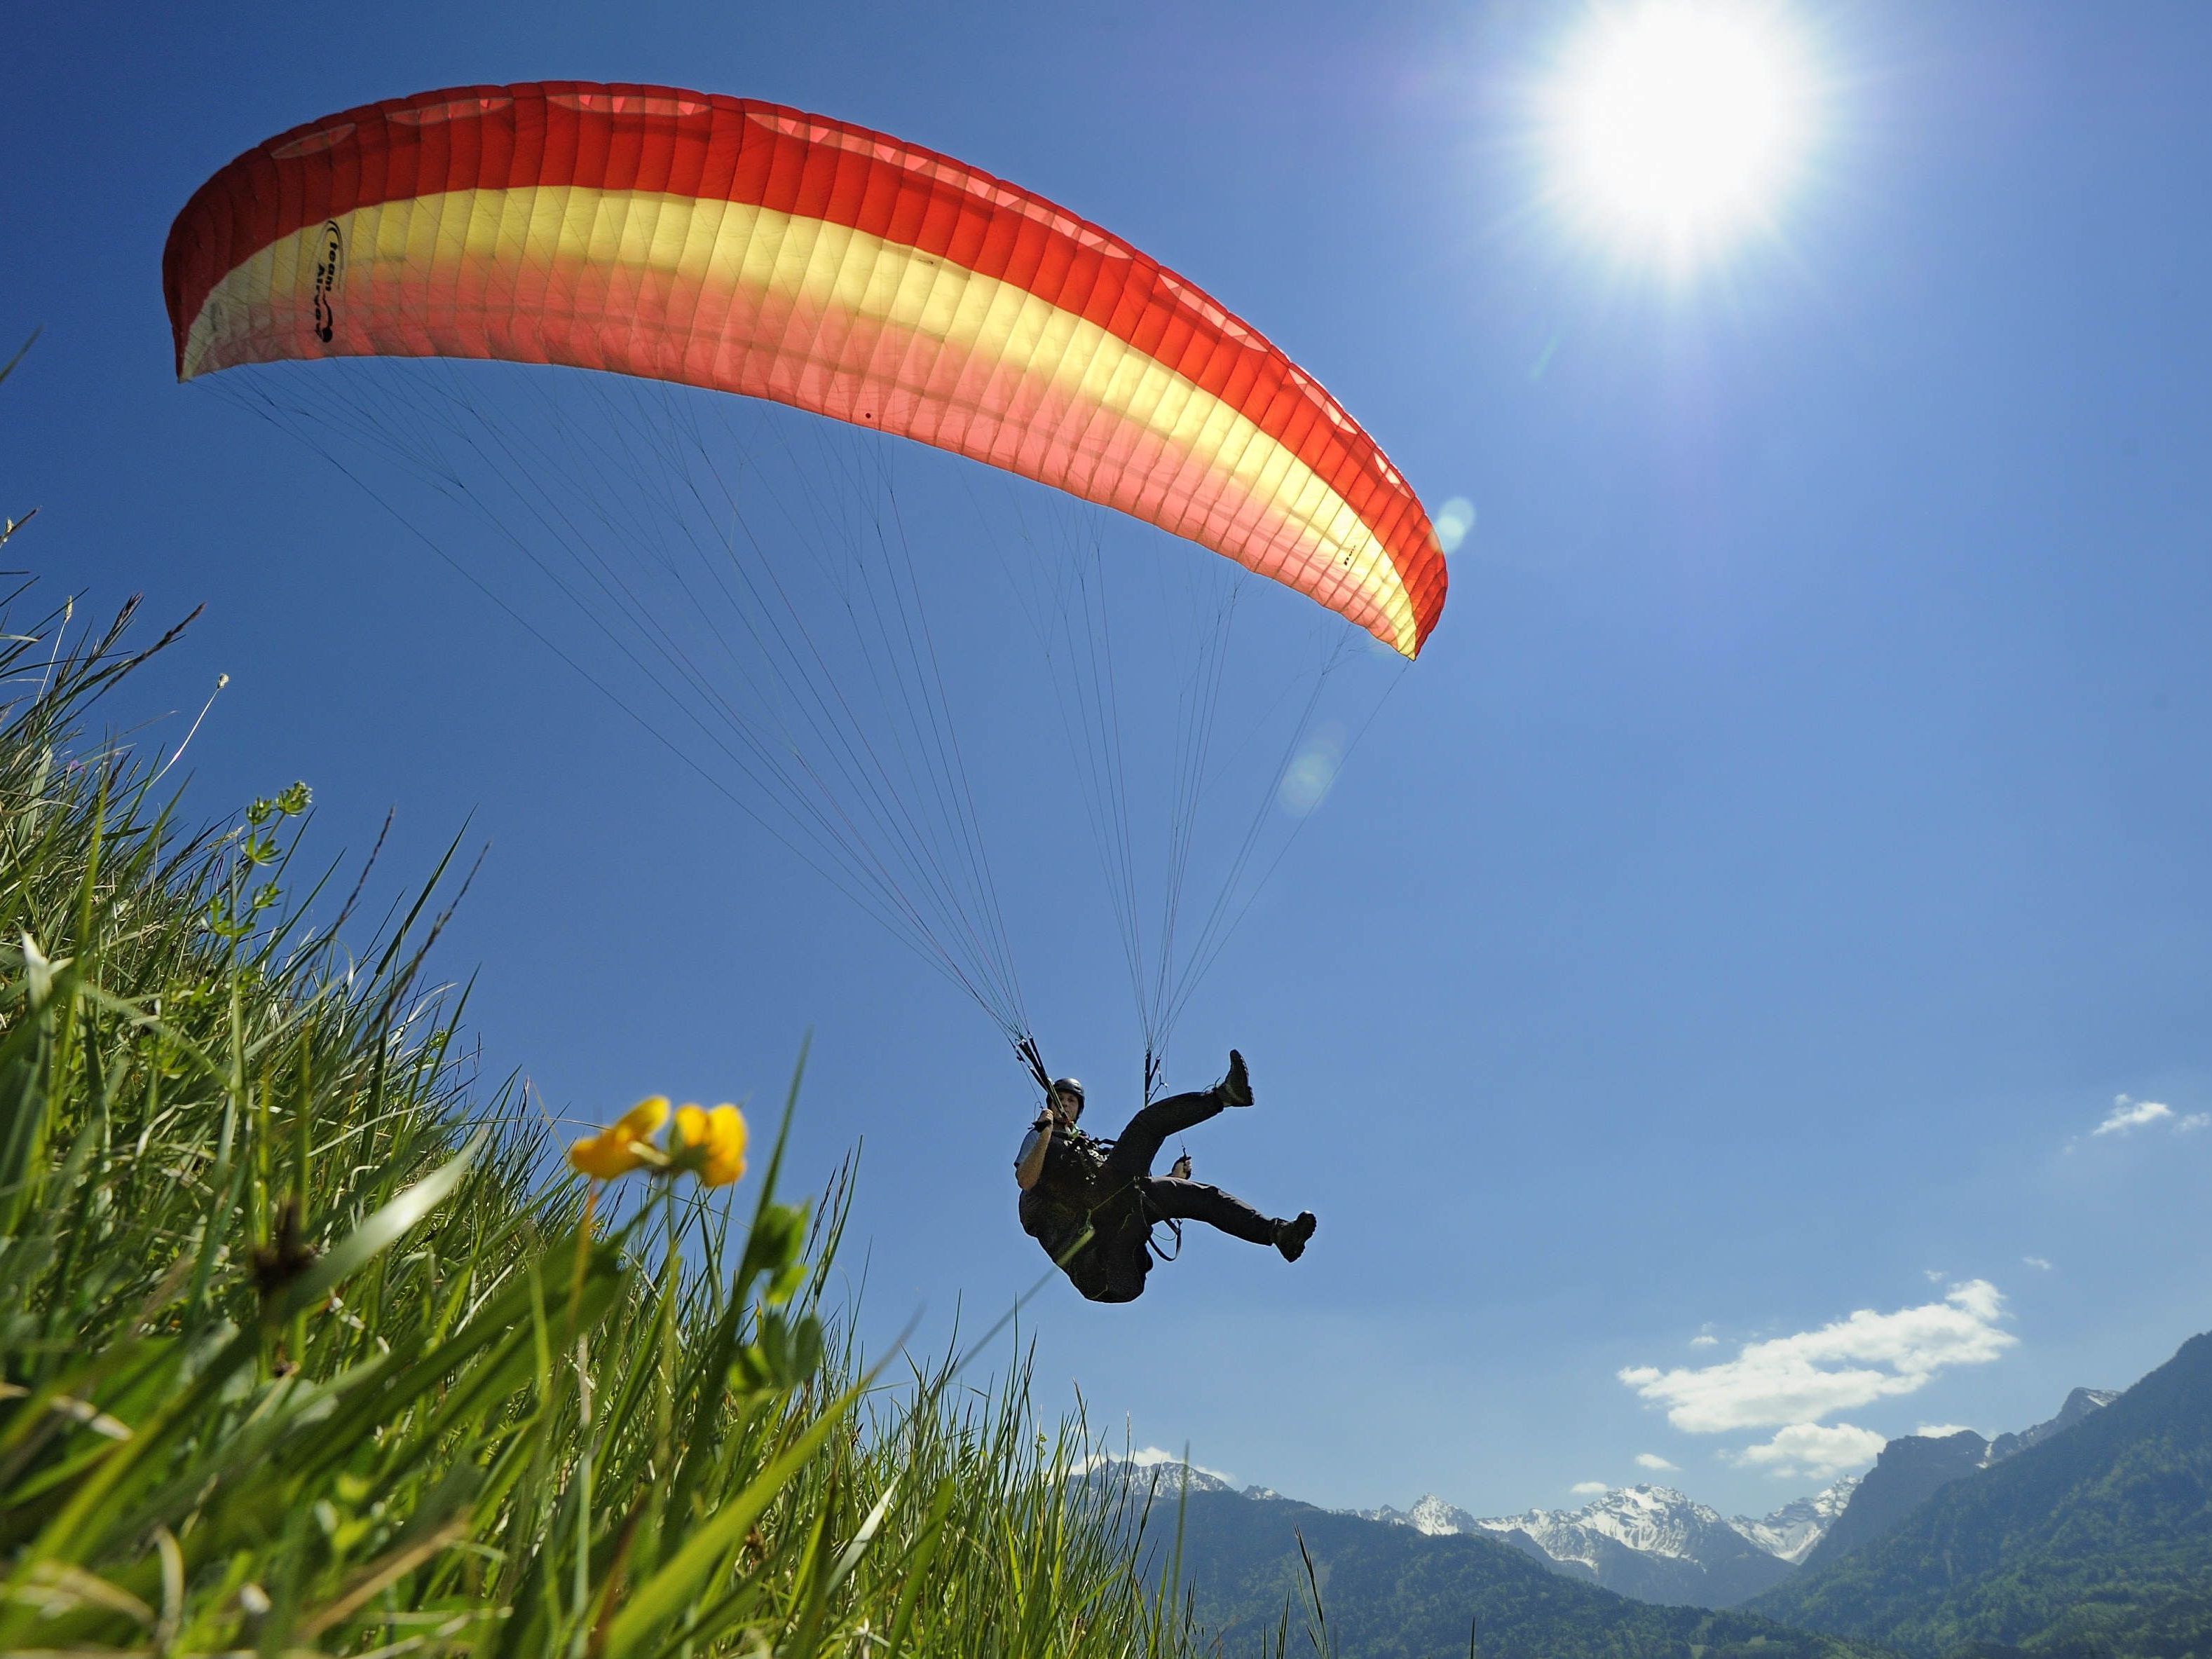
(1677, 124)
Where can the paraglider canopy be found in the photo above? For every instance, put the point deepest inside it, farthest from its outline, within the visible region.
(741, 581)
(750, 248)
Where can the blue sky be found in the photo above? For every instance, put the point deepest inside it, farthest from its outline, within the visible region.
(1786, 854)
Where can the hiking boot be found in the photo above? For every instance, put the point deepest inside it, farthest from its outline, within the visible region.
(1290, 1236)
(1236, 1089)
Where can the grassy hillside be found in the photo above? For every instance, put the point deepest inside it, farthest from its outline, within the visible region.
(2099, 1542)
(1368, 1590)
(301, 1351)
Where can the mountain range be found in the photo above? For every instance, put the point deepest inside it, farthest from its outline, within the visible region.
(1649, 1542)
(1915, 1467)
(1254, 1569)
(1656, 1544)
(2090, 1533)
(2094, 1538)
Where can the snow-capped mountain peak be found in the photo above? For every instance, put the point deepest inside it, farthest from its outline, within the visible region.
(1161, 1476)
(1791, 1531)
(1650, 1519)
(1429, 1514)
(1649, 1541)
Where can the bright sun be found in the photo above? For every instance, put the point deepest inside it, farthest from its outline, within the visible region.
(1675, 124)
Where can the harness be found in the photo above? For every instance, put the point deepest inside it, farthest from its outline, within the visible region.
(1097, 1149)
(1025, 1050)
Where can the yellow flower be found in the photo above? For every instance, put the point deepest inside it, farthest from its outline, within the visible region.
(713, 1143)
(614, 1151)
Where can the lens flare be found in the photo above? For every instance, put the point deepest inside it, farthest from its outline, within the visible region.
(1308, 778)
(1454, 519)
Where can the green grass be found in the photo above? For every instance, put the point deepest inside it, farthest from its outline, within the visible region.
(301, 1349)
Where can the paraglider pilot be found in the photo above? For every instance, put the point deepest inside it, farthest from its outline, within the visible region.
(1092, 1203)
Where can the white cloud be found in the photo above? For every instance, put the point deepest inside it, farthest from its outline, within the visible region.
(1944, 1430)
(1935, 1275)
(2127, 1115)
(2194, 1120)
(1590, 1489)
(1798, 1380)
(1704, 1339)
(2036, 1261)
(1653, 1461)
(1821, 1451)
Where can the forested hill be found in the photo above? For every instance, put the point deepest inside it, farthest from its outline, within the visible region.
(1910, 1471)
(1389, 1592)
(2098, 1539)
(1913, 1468)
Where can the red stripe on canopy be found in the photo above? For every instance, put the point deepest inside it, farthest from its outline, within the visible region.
(657, 139)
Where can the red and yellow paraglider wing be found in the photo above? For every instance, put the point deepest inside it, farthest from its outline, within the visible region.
(751, 249)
